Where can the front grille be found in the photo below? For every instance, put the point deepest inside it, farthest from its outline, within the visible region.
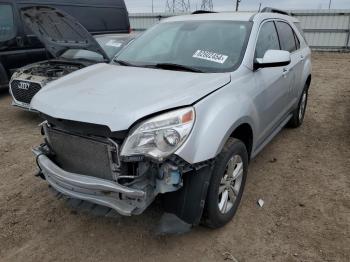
(83, 155)
(23, 91)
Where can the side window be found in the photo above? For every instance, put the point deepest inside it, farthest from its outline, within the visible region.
(267, 39)
(7, 25)
(286, 36)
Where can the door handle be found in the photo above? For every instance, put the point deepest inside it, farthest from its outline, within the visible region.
(19, 41)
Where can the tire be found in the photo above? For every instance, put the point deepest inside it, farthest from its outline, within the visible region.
(299, 113)
(216, 214)
(3, 78)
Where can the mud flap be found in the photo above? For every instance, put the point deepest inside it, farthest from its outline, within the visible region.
(187, 204)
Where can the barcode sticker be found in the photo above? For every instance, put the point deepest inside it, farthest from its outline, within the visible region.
(114, 43)
(210, 56)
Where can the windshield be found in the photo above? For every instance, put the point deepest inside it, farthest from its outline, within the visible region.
(111, 46)
(206, 46)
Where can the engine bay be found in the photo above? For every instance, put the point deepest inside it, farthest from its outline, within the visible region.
(52, 69)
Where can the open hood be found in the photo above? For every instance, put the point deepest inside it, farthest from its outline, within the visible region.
(59, 31)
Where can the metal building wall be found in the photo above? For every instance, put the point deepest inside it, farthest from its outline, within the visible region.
(143, 21)
(324, 29)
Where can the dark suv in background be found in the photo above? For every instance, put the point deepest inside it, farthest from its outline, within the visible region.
(19, 46)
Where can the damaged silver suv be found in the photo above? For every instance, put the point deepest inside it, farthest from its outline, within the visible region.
(178, 115)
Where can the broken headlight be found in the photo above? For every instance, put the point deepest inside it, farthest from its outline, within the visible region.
(160, 136)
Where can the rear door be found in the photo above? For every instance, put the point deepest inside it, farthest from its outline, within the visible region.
(293, 70)
(272, 84)
(299, 85)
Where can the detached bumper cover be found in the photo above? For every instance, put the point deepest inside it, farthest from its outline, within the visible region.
(96, 190)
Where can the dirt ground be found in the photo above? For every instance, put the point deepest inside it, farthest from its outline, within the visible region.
(303, 176)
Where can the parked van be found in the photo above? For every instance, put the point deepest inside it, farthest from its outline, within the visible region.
(19, 47)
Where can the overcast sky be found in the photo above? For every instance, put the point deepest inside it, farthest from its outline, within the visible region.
(221, 5)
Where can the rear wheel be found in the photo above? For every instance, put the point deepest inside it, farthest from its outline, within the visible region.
(227, 184)
(299, 113)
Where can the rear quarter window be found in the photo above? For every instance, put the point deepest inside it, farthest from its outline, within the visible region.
(297, 41)
(301, 31)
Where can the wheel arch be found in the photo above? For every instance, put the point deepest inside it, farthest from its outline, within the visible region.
(308, 80)
(244, 132)
(242, 129)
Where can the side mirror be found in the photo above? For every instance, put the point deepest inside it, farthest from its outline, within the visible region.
(273, 58)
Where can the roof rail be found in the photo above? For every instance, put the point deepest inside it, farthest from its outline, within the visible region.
(202, 12)
(274, 10)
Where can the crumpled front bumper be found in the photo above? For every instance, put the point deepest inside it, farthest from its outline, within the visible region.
(96, 190)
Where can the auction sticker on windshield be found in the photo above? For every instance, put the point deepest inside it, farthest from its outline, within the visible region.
(210, 56)
(114, 43)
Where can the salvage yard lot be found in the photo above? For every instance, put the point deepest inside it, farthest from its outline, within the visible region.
(303, 176)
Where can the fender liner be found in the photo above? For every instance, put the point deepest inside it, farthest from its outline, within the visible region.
(188, 202)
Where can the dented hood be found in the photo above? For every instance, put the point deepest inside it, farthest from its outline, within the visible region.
(59, 31)
(118, 96)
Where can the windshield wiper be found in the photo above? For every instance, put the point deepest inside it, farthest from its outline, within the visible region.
(122, 62)
(172, 66)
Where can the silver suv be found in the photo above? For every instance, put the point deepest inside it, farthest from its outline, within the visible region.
(178, 115)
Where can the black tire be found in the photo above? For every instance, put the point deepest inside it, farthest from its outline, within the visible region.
(3, 78)
(297, 120)
(213, 217)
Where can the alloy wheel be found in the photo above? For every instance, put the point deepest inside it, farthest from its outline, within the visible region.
(230, 184)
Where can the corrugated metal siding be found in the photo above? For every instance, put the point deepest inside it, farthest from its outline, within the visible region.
(140, 21)
(324, 29)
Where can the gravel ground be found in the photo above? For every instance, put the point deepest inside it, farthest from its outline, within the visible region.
(303, 176)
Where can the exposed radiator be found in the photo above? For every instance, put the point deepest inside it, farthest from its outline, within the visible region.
(82, 155)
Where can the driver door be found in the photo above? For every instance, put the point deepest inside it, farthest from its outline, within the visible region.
(272, 84)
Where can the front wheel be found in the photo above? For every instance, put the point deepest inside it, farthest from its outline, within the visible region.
(227, 184)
